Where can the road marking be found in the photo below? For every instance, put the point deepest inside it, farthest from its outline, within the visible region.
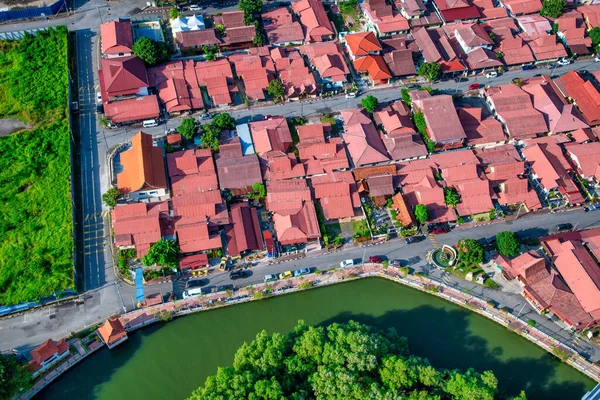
(93, 224)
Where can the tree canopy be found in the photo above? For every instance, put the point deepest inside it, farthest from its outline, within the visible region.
(595, 36)
(431, 71)
(162, 253)
(223, 121)
(210, 137)
(250, 8)
(553, 8)
(13, 377)
(406, 96)
(187, 128)
(276, 90)
(369, 103)
(340, 361)
(450, 196)
(421, 213)
(111, 196)
(151, 51)
(508, 243)
(470, 252)
(174, 13)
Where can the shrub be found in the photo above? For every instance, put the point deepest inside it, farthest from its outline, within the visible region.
(431, 71)
(369, 103)
(531, 323)
(259, 295)
(492, 284)
(508, 243)
(470, 252)
(111, 197)
(421, 213)
(305, 285)
(164, 316)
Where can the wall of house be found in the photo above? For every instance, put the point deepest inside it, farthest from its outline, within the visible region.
(147, 194)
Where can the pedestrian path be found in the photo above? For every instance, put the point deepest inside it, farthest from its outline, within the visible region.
(434, 241)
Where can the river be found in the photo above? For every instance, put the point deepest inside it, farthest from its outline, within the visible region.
(170, 361)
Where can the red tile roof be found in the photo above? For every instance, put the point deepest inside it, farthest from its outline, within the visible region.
(47, 349)
(256, 71)
(519, 7)
(197, 39)
(475, 197)
(143, 166)
(545, 47)
(514, 50)
(317, 154)
(431, 195)
(272, 135)
(194, 261)
(337, 193)
(281, 27)
(314, 18)
(283, 166)
(515, 109)
(137, 109)
(586, 158)
(123, 76)
(583, 93)
(489, 11)
(384, 17)
(436, 48)
(375, 66)
(443, 125)
(591, 14)
(116, 36)
(217, 77)
(239, 36)
(480, 130)
(283, 195)
(112, 331)
(138, 225)
(245, 231)
(192, 171)
(235, 170)
(230, 19)
(362, 43)
(328, 58)
(453, 10)
(572, 26)
(362, 139)
(380, 185)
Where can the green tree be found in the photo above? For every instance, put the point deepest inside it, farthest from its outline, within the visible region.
(470, 252)
(450, 196)
(258, 39)
(531, 323)
(187, 128)
(406, 96)
(260, 192)
(553, 8)
(210, 137)
(210, 52)
(221, 29)
(224, 121)
(339, 361)
(369, 103)
(111, 196)
(421, 125)
(421, 213)
(431, 71)
(250, 9)
(508, 243)
(13, 377)
(150, 51)
(276, 90)
(174, 13)
(595, 36)
(162, 253)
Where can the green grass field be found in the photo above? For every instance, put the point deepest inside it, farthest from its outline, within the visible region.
(36, 242)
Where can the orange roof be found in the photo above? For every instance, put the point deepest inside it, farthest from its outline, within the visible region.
(143, 166)
(405, 214)
(375, 66)
(362, 43)
(135, 109)
(314, 18)
(112, 331)
(47, 349)
(583, 93)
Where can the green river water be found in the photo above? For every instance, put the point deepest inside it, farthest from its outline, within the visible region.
(170, 361)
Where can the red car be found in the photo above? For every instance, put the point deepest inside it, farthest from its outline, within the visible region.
(376, 259)
(474, 86)
(439, 231)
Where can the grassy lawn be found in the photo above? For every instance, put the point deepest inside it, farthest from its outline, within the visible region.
(462, 272)
(348, 12)
(36, 250)
(333, 229)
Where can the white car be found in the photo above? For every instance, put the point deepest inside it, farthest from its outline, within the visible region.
(347, 263)
(564, 61)
(491, 74)
(597, 59)
(350, 95)
(99, 97)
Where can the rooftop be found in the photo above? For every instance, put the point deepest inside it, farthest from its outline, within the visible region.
(143, 166)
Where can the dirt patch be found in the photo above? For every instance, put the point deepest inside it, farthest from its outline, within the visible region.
(11, 125)
(18, 4)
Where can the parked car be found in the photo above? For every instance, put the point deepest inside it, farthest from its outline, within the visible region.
(301, 271)
(195, 7)
(268, 116)
(271, 278)
(192, 283)
(376, 259)
(412, 86)
(527, 67)
(460, 79)
(597, 58)
(564, 61)
(397, 263)
(439, 231)
(223, 264)
(350, 95)
(286, 274)
(347, 263)
(414, 239)
(474, 86)
(491, 74)
(99, 97)
(234, 275)
(591, 207)
(563, 227)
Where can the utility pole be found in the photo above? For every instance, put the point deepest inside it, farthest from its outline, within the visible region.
(121, 297)
(519, 211)
(524, 304)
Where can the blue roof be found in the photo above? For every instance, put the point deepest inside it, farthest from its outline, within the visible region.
(139, 284)
(243, 132)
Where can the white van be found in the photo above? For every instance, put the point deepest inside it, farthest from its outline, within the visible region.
(149, 123)
(192, 292)
(491, 74)
(195, 7)
(347, 263)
